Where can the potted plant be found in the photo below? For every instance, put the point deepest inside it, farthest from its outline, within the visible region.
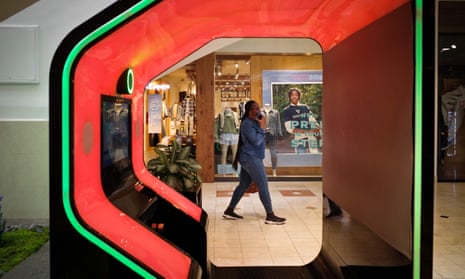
(176, 166)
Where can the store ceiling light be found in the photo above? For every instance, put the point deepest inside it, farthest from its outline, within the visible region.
(450, 47)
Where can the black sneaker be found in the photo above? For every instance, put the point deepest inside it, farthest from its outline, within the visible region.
(229, 214)
(272, 219)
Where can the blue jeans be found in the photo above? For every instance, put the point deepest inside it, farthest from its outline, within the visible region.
(252, 170)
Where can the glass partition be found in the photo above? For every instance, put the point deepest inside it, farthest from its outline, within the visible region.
(451, 92)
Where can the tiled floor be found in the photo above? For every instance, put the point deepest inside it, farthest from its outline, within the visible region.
(249, 242)
(449, 231)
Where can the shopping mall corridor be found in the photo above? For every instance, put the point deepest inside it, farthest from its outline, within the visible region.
(250, 242)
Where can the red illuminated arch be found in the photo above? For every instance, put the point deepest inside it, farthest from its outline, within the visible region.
(152, 42)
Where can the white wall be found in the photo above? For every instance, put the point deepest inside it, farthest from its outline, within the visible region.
(24, 143)
(55, 18)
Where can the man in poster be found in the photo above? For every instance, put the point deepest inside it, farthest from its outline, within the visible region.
(299, 121)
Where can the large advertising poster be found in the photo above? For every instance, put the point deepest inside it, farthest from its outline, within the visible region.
(296, 98)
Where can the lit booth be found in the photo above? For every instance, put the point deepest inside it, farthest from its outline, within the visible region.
(138, 223)
(111, 218)
(146, 226)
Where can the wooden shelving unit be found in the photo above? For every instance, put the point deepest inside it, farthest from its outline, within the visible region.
(232, 78)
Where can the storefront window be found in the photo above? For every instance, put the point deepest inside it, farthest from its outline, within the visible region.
(219, 84)
(451, 94)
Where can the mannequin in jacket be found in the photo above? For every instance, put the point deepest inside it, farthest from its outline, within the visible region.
(228, 133)
(188, 108)
(272, 131)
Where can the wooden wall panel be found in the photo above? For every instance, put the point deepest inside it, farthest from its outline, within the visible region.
(368, 112)
(205, 117)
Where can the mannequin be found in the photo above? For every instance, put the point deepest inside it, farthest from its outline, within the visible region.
(173, 121)
(164, 115)
(176, 117)
(188, 106)
(242, 108)
(272, 131)
(229, 133)
(453, 111)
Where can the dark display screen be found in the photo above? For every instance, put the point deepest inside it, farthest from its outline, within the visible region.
(115, 142)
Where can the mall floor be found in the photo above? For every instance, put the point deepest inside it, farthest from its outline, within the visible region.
(250, 242)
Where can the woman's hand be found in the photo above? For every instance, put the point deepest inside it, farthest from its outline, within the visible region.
(262, 122)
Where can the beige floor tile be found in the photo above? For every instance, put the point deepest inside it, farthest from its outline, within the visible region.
(253, 237)
(287, 261)
(250, 242)
(228, 252)
(449, 229)
(219, 261)
(258, 261)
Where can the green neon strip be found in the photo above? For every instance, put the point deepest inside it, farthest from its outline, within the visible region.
(130, 80)
(66, 136)
(418, 139)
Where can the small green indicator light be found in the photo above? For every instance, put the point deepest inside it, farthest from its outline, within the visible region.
(125, 82)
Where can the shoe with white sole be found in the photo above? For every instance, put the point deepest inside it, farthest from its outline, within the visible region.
(231, 215)
(272, 219)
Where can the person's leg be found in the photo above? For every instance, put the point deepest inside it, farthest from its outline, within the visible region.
(256, 170)
(244, 182)
(334, 209)
(233, 151)
(224, 153)
(313, 144)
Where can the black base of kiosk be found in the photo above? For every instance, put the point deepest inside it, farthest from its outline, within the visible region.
(73, 257)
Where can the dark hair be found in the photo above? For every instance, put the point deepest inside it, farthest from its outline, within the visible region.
(290, 92)
(247, 108)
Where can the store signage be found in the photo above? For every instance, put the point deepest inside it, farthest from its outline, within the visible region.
(154, 117)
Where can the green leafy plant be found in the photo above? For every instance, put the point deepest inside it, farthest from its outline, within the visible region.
(176, 166)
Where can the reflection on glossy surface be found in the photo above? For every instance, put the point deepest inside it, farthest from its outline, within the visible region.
(449, 229)
(356, 252)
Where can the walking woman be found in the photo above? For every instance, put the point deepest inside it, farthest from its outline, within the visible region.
(250, 154)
